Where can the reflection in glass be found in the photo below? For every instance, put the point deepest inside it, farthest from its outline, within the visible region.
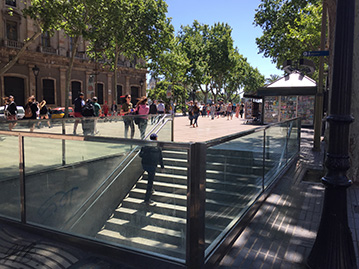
(9, 177)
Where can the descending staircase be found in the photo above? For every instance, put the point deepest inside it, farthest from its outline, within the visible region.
(233, 180)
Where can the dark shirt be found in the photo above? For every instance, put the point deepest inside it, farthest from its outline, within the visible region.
(151, 156)
(153, 109)
(12, 108)
(78, 104)
(114, 107)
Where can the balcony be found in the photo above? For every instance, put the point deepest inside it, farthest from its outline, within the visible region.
(13, 44)
(48, 50)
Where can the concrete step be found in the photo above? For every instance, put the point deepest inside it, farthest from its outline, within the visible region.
(175, 154)
(147, 217)
(161, 208)
(128, 229)
(149, 245)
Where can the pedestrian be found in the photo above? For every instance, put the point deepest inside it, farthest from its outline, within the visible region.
(11, 110)
(142, 109)
(190, 113)
(105, 109)
(241, 111)
(88, 122)
(79, 103)
(161, 108)
(127, 112)
(96, 106)
(114, 109)
(237, 110)
(196, 113)
(97, 110)
(44, 113)
(151, 157)
(229, 111)
(153, 111)
(213, 111)
(31, 112)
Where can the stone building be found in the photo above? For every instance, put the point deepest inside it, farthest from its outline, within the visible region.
(51, 56)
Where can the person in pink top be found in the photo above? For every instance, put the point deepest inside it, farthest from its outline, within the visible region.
(142, 108)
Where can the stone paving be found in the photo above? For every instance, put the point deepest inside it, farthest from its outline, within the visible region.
(283, 231)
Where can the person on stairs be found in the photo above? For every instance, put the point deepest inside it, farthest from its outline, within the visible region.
(151, 156)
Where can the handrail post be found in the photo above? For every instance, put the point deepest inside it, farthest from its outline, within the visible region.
(22, 178)
(196, 198)
(264, 158)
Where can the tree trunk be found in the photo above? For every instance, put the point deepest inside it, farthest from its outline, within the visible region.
(117, 53)
(68, 75)
(22, 50)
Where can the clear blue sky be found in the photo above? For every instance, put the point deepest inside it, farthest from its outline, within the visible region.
(239, 14)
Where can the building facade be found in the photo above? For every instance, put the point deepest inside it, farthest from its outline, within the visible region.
(50, 55)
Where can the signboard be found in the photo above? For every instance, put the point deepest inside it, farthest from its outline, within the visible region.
(316, 53)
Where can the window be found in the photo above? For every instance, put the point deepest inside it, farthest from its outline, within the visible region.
(119, 94)
(11, 30)
(45, 39)
(10, 3)
(48, 88)
(75, 89)
(99, 93)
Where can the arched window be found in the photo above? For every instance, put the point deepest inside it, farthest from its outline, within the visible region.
(75, 89)
(48, 89)
(99, 93)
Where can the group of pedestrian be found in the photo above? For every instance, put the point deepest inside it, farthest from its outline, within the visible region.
(135, 115)
(156, 108)
(33, 110)
(88, 110)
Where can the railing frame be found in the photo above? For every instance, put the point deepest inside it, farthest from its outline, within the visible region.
(196, 193)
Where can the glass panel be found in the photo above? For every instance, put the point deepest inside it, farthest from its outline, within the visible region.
(293, 142)
(275, 151)
(99, 193)
(234, 180)
(9, 177)
(114, 126)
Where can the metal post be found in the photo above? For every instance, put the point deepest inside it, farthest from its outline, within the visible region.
(196, 198)
(22, 178)
(264, 158)
(334, 247)
(63, 143)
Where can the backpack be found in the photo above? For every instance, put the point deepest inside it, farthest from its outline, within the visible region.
(28, 112)
(43, 110)
(88, 110)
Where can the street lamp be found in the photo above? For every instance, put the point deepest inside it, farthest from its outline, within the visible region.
(36, 71)
(333, 247)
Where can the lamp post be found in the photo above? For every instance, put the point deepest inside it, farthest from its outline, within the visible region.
(333, 247)
(36, 71)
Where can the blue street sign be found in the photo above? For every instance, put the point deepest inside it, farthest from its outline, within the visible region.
(316, 53)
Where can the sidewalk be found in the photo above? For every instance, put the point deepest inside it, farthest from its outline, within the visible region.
(283, 231)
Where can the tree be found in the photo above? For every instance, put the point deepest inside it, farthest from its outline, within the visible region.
(220, 49)
(194, 43)
(133, 28)
(289, 28)
(46, 17)
(272, 78)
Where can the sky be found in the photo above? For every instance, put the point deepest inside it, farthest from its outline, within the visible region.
(239, 14)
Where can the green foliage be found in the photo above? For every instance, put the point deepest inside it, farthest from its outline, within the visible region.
(178, 94)
(289, 28)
